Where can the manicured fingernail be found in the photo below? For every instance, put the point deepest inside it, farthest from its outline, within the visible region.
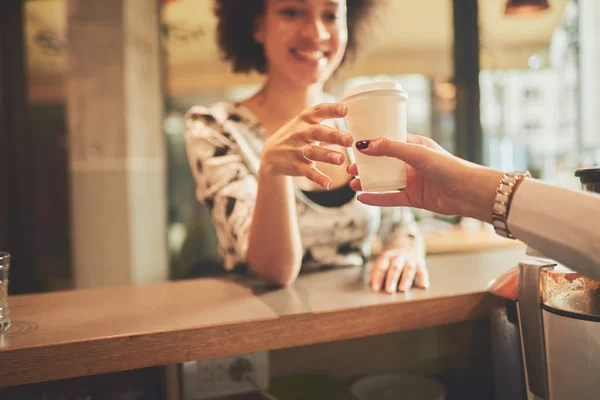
(328, 186)
(406, 288)
(363, 144)
(344, 109)
(348, 169)
(375, 287)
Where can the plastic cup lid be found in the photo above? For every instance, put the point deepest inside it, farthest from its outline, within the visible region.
(373, 86)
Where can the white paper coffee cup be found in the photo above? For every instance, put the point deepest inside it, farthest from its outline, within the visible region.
(375, 110)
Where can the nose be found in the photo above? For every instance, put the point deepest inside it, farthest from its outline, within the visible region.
(316, 30)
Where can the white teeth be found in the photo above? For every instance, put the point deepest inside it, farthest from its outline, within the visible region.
(311, 55)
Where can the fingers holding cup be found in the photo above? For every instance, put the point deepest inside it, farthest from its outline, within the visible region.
(323, 111)
(312, 153)
(325, 134)
(313, 173)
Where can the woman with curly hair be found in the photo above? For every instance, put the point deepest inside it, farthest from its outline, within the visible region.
(272, 168)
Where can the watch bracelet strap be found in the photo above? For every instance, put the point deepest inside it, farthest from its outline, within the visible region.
(504, 195)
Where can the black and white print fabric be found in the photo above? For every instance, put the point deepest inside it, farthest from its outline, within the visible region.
(223, 144)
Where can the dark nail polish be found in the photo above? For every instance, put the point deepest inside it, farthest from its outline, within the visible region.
(363, 144)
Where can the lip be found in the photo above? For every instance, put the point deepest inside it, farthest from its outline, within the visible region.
(310, 56)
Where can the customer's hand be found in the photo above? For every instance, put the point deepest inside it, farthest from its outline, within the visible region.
(295, 147)
(436, 180)
(398, 268)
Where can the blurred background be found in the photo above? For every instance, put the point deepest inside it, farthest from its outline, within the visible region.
(510, 91)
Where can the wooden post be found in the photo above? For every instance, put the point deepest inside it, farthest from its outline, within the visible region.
(469, 140)
(117, 156)
(17, 146)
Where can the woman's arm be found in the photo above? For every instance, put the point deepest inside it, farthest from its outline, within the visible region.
(275, 246)
(275, 251)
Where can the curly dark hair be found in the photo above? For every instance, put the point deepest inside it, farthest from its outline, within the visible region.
(236, 23)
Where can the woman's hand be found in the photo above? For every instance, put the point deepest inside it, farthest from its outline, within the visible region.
(400, 267)
(436, 180)
(295, 147)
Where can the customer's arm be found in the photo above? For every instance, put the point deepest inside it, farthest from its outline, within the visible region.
(275, 245)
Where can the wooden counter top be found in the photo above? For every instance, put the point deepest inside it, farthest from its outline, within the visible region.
(83, 332)
(460, 241)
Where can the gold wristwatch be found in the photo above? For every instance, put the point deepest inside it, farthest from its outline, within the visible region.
(504, 195)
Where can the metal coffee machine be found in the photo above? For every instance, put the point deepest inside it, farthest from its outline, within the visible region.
(590, 179)
(546, 334)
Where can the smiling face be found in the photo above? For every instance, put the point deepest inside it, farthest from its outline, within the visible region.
(304, 40)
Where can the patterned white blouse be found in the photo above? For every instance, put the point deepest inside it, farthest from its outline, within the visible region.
(223, 144)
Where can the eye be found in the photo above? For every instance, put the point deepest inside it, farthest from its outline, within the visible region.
(331, 17)
(291, 12)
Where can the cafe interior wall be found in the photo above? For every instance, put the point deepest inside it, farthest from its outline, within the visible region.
(411, 41)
